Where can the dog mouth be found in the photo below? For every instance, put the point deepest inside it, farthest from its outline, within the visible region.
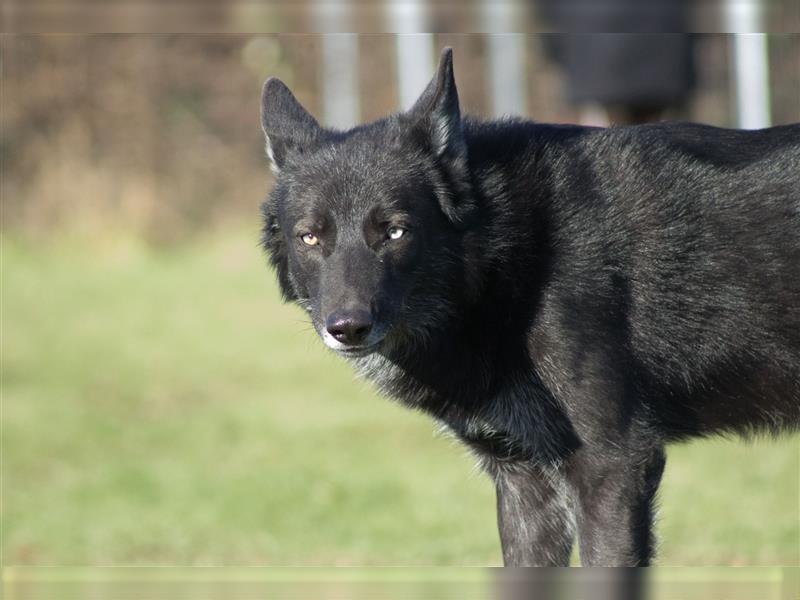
(370, 345)
(358, 351)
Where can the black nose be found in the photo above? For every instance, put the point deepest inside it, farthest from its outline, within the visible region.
(349, 327)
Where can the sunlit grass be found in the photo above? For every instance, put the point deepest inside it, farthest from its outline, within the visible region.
(163, 407)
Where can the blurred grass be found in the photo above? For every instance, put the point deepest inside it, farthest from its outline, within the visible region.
(162, 407)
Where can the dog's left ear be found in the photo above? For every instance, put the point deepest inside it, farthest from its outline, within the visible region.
(437, 109)
(438, 116)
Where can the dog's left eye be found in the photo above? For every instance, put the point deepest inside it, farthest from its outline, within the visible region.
(395, 233)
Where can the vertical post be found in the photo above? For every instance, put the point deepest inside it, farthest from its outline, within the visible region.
(340, 100)
(751, 63)
(506, 57)
(415, 51)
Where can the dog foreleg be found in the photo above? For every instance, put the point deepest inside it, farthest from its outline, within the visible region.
(615, 506)
(533, 516)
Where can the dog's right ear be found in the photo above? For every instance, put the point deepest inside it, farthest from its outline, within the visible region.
(288, 127)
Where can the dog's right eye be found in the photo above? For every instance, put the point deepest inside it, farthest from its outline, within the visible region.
(309, 239)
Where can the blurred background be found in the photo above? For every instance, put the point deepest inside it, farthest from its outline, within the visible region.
(151, 407)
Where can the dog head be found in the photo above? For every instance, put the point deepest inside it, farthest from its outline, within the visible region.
(366, 227)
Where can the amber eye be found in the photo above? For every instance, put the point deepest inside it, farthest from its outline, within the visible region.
(309, 239)
(395, 233)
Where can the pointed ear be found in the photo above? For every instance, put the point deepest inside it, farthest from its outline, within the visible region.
(437, 110)
(288, 127)
(436, 116)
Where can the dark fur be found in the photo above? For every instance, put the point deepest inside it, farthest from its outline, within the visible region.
(565, 299)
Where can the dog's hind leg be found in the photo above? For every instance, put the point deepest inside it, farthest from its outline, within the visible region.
(533, 515)
(615, 504)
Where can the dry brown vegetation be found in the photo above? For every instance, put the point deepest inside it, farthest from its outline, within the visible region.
(158, 134)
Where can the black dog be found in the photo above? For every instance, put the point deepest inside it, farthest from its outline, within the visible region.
(565, 299)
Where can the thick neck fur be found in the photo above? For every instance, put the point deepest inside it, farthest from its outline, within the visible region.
(493, 308)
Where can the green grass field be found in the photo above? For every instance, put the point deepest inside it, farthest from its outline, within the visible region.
(163, 408)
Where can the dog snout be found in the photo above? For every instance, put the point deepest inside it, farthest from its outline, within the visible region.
(350, 327)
